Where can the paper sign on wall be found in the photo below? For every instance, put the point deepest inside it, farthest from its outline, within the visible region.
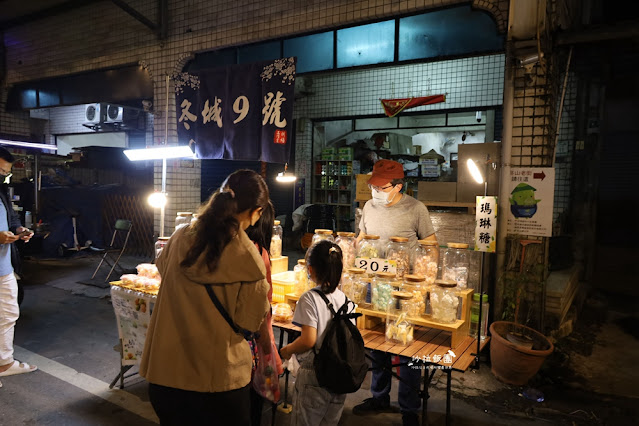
(532, 194)
(486, 224)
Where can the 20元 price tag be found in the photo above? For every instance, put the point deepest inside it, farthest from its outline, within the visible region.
(374, 264)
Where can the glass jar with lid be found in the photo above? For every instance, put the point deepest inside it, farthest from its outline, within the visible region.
(415, 285)
(426, 260)
(276, 240)
(444, 301)
(397, 249)
(323, 234)
(456, 264)
(399, 330)
(182, 219)
(353, 285)
(370, 246)
(382, 286)
(159, 245)
(346, 241)
(301, 277)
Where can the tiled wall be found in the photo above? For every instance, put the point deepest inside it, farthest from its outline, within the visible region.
(101, 35)
(13, 124)
(66, 120)
(467, 83)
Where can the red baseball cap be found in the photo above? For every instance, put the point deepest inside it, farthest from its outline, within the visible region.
(384, 171)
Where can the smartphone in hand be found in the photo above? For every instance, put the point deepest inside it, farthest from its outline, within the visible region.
(23, 233)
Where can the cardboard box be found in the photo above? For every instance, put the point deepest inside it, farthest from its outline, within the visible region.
(467, 188)
(329, 154)
(362, 191)
(345, 154)
(437, 191)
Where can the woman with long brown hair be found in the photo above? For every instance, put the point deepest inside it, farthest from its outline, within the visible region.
(197, 364)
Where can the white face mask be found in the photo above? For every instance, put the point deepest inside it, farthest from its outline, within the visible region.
(381, 198)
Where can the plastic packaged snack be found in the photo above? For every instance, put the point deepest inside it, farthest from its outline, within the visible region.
(282, 312)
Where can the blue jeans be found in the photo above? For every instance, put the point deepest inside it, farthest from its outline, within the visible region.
(409, 400)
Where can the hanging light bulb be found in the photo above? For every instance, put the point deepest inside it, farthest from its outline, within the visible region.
(474, 171)
(284, 177)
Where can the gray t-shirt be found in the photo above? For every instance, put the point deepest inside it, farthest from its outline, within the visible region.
(311, 310)
(408, 218)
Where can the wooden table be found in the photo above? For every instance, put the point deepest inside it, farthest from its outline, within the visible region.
(430, 351)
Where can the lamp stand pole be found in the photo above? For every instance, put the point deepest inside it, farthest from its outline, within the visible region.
(481, 279)
(163, 192)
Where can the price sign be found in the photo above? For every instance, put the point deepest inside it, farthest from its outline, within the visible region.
(374, 264)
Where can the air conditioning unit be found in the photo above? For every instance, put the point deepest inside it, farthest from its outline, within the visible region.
(93, 114)
(114, 114)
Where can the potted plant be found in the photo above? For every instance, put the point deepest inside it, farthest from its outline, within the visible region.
(516, 350)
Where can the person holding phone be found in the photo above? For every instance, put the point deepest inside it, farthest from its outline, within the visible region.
(11, 230)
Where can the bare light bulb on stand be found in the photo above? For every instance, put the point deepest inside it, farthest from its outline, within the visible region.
(157, 199)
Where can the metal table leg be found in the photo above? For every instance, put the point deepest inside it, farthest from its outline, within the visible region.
(448, 378)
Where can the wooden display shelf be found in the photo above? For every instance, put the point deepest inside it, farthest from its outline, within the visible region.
(371, 318)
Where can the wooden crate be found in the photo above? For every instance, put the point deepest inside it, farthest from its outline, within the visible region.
(562, 287)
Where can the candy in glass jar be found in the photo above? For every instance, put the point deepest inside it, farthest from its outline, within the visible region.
(415, 285)
(397, 249)
(346, 241)
(354, 286)
(370, 247)
(381, 288)
(159, 245)
(276, 240)
(323, 234)
(444, 301)
(399, 329)
(182, 219)
(456, 264)
(426, 260)
(301, 277)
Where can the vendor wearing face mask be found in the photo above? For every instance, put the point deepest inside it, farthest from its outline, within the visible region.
(391, 213)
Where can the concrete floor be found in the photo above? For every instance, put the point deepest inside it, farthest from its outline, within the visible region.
(69, 330)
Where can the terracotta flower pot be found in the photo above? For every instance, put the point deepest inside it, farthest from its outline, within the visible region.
(517, 352)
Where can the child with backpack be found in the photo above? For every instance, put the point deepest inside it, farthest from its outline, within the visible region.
(325, 313)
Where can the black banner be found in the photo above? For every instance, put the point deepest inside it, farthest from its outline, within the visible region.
(240, 112)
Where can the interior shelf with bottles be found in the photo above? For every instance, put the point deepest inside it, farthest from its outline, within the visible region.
(334, 184)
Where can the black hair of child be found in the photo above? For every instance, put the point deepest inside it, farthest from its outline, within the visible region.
(325, 258)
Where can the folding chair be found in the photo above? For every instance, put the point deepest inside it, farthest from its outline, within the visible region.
(122, 226)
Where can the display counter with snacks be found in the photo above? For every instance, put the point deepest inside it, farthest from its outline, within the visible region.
(431, 349)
